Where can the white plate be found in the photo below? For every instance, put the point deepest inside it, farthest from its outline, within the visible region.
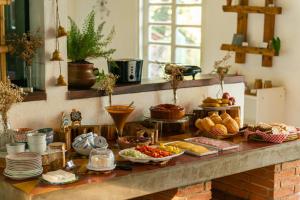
(100, 169)
(22, 177)
(148, 159)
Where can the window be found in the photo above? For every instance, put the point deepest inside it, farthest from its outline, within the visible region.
(171, 33)
(17, 21)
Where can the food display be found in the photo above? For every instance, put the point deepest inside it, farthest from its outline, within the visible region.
(101, 160)
(167, 112)
(218, 126)
(219, 144)
(144, 154)
(225, 101)
(273, 132)
(153, 152)
(170, 148)
(194, 149)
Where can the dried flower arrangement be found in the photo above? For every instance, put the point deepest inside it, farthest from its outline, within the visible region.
(221, 67)
(107, 83)
(25, 46)
(174, 74)
(9, 95)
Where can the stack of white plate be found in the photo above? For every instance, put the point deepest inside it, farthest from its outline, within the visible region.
(23, 166)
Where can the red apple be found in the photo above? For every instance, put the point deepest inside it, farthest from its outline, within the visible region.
(226, 95)
(232, 99)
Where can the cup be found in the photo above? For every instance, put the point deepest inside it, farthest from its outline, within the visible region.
(14, 148)
(38, 147)
(49, 134)
(37, 142)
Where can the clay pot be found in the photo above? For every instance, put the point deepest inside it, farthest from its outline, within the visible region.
(81, 75)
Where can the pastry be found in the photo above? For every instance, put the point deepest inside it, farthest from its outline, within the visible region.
(231, 125)
(224, 115)
(216, 118)
(207, 124)
(198, 124)
(167, 111)
(219, 129)
(211, 100)
(238, 121)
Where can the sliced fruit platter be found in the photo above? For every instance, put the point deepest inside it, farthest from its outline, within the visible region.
(145, 154)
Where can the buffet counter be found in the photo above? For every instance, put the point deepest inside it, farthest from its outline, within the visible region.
(145, 179)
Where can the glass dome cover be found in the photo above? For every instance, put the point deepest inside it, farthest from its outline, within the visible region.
(101, 159)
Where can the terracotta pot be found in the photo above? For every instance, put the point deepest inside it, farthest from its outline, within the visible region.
(81, 75)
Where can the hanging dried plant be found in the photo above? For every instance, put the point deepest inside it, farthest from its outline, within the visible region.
(25, 46)
(9, 95)
(107, 83)
(175, 76)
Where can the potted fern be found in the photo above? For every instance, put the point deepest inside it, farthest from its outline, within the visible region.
(84, 44)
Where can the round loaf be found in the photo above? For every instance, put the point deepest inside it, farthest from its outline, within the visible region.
(207, 124)
(219, 129)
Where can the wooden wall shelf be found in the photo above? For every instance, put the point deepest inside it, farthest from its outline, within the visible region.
(252, 50)
(253, 9)
(5, 2)
(243, 10)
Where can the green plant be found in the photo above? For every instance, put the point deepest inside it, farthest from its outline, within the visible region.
(88, 42)
(276, 44)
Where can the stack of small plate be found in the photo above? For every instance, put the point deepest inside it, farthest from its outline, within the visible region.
(23, 166)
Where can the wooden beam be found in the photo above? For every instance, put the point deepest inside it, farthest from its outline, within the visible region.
(253, 9)
(269, 30)
(5, 2)
(251, 50)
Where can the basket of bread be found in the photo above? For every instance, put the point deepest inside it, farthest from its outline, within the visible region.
(225, 101)
(218, 126)
(273, 132)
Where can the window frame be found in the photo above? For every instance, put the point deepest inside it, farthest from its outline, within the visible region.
(145, 24)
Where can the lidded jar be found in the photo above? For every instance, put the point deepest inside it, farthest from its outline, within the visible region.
(101, 159)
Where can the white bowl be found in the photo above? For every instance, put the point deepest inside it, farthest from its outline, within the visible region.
(36, 138)
(15, 148)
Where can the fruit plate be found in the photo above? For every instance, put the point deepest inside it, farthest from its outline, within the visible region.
(212, 150)
(148, 158)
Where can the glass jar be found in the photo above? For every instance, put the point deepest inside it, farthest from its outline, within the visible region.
(101, 159)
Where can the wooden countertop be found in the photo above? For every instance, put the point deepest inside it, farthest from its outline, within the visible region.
(146, 179)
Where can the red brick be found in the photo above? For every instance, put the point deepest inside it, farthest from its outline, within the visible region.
(200, 196)
(285, 174)
(292, 164)
(184, 191)
(295, 180)
(274, 168)
(298, 171)
(284, 191)
(297, 188)
(207, 186)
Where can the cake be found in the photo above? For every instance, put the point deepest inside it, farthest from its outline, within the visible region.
(167, 111)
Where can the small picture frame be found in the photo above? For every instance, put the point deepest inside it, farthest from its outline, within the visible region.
(238, 39)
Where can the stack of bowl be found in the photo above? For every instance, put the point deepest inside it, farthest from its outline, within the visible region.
(37, 142)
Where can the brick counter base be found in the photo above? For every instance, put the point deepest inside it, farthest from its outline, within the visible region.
(200, 191)
(277, 182)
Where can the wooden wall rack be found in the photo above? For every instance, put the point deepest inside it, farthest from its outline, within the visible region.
(242, 11)
(3, 47)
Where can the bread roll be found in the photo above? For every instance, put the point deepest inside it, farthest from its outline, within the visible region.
(225, 115)
(198, 125)
(219, 129)
(216, 118)
(207, 124)
(231, 125)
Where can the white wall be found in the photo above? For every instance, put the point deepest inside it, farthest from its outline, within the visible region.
(219, 28)
(123, 16)
(47, 113)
